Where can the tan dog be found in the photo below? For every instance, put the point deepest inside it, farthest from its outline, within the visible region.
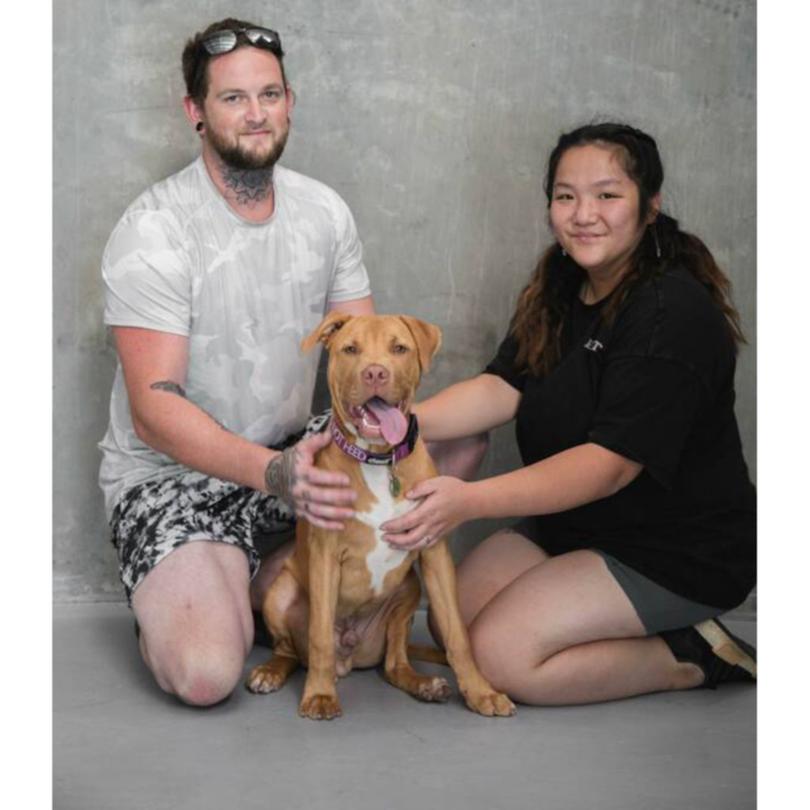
(346, 598)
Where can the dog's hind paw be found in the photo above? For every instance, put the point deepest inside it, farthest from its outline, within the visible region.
(433, 690)
(320, 707)
(491, 704)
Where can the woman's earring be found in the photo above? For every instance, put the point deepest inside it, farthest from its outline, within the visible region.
(657, 245)
(563, 250)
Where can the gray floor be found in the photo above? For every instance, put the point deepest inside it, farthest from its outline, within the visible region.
(120, 743)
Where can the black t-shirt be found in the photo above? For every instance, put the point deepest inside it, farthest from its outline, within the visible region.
(655, 386)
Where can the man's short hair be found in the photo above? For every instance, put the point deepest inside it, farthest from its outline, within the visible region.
(196, 57)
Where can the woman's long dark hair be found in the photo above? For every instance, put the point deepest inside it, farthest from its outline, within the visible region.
(544, 302)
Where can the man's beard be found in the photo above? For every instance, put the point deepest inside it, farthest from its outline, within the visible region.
(235, 157)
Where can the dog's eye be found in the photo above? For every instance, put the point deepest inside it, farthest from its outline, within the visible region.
(350, 349)
(399, 348)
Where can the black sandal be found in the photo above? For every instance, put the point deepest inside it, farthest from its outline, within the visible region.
(722, 656)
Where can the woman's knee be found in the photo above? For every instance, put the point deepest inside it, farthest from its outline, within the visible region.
(491, 567)
(497, 653)
(460, 457)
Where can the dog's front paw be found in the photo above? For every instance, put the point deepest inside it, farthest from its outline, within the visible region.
(267, 677)
(320, 707)
(490, 704)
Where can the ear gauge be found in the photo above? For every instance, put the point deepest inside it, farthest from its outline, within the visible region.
(199, 126)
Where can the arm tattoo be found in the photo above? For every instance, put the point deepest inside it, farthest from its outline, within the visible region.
(173, 388)
(279, 475)
(170, 386)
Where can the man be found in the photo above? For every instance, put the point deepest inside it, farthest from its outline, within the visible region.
(213, 276)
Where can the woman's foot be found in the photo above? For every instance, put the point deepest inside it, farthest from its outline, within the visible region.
(721, 656)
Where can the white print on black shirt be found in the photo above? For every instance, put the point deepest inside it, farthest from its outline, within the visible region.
(593, 345)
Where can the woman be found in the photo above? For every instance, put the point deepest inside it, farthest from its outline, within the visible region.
(638, 514)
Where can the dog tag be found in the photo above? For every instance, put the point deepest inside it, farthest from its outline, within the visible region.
(394, 486)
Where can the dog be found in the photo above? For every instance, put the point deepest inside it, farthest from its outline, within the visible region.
(346, 599)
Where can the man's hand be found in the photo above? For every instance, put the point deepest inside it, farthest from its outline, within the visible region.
(320, 496)
(445, 505)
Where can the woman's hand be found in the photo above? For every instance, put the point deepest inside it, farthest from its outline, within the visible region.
(446, 503)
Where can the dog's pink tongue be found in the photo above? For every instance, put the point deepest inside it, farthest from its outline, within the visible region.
(393, 424)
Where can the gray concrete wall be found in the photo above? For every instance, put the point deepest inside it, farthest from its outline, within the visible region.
(433, 120)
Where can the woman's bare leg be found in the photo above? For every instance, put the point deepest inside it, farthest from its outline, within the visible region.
(559, 630)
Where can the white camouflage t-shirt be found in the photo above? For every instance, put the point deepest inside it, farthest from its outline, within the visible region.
(182, 261)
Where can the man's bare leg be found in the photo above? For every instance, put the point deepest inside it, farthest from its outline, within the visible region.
(193, 609)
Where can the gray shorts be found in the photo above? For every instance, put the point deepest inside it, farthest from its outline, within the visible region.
(658, 608)
(156, 517)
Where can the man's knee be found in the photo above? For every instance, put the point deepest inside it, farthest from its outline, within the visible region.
(198, 674)
(207, 683)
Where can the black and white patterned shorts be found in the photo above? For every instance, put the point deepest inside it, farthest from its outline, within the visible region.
(156, 517)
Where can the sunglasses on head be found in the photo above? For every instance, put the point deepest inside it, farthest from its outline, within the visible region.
(225, 41)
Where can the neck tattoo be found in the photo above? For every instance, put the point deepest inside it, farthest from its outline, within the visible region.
(249, 186)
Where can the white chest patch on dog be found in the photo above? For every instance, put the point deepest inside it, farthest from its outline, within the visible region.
(382, 558)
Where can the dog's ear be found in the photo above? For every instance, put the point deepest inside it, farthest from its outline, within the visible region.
(325, 330)
(427, 336)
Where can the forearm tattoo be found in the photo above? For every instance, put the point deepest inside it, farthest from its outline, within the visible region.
(174, 388)
(279, 475)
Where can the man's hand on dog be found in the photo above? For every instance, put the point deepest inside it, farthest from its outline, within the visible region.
(445, 504)
(322, 497)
